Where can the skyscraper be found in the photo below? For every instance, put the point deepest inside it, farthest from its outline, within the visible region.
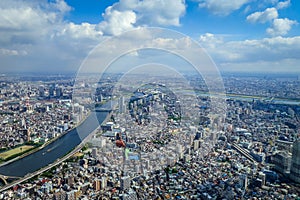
(59, 92)
(41, 91)
(51, 90)
(125, 183)
(295, 167)
(122, 107)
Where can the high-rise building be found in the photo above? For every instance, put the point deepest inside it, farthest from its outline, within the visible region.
(262, 177)
(41, 91)
(103, 183)
(196, 144)
(70, 195)
(94, 153)
(59, 92)
(282, 161)
(284, 145)
(51, 90)
(28, 135)
(97, 185)
(131, 195)
(295, 167)
(122, 107)
(243, 181)
(125, 183)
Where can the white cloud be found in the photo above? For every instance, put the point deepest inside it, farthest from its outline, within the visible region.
(77, 31)
(268, 2)
(126, 14)
(9, 52)
(34, 34)
(117, 22)
(160, 12)
(210, 40)
(268, 15)
(283, 4)
(284, 66)
(281, 26)
(32, 22)
(23, 24)
(61, 5)
(222, 7)
(273, 51)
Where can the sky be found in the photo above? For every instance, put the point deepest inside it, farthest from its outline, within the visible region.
(56, 36)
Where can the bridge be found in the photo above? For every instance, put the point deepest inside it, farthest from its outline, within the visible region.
(107, 107)
(4, 178)
(103, 109)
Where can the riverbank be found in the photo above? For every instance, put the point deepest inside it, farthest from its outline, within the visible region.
(276, 100)
(38, 148)
(61, 159)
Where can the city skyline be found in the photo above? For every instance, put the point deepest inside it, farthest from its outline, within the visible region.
(243, 36)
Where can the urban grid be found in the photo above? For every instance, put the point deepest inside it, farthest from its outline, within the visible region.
(156, 143)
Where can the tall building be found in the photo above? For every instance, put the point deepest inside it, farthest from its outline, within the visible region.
(125, 183)
(59, 92)
(51, 90)
(243, 181)
(28, 135)
(282, 161)
(122, 107)
(97, 184)
(284, 145)
(131, 195)
(103, 183)
(41, 91)
(70, 195)
(94, 153)
(295, 168)
(196, 144)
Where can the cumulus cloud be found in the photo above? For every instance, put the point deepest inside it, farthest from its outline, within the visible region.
(275, 49)
(160, 12)
(31, 22)
(126, 14)
(268, 54)
(36, 33)
(23, 24)
(268, 15)
(281, 26)
(61, 5)
(210, 40)
(283, 4)
(116, 21)
(77, 31)
(222, 7)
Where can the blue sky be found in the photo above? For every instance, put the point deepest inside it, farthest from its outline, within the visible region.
(239, 35)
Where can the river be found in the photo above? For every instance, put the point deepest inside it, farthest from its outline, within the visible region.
(54, 150)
